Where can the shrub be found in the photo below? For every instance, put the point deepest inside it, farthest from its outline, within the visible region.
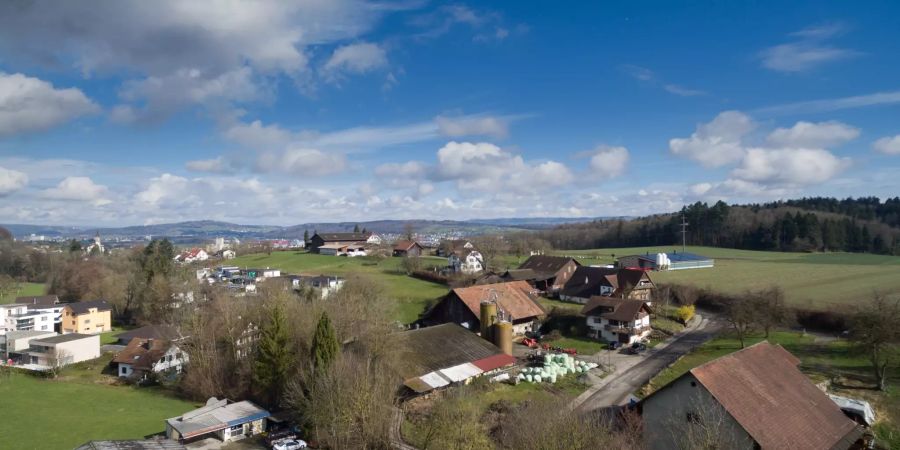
(685, 313)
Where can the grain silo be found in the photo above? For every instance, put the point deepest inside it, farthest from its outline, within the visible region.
(503, 336)
(488, 319)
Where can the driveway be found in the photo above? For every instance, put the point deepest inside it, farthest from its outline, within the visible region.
(633, 371)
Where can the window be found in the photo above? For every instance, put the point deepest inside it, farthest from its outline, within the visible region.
(87, 321)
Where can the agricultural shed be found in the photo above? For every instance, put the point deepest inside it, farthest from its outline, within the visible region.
(666, 261)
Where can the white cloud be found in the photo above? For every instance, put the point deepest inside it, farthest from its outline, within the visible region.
(682, 91)
(301, 161)
(409, 169)
(356, 58)
(790, 166)
(808, 52)
(638, 72)
(30, 105)
(484, 167)
(214, 165)
(77, 189)
(11, 181)
(700, 188)
(813, 135)
(834, 104)
(889, 145)
(258, 136)
(496, 127)
(609, 162)
(716, 143)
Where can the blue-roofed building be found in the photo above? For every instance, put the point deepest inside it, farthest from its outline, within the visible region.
(674, 260)
(221, 419)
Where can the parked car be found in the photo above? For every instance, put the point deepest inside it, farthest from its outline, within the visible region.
(275, 436)
(614, 345)
(289, 444)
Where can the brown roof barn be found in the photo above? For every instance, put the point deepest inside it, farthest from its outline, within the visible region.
(463, 305)
(772, 403)
(551, 272)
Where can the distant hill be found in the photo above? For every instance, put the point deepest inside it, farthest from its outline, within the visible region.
(201, 230)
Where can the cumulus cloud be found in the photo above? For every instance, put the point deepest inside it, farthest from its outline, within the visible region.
(484, 167)
(496, 127)
(791, 166)
(813, 135)
(30, 104)
(259, 136)
(807, 51)
(609, 162)
(301, 161)
(356, 58)
(76, 189)
(214, 165)
(11, 181)
(716, 143)
(889, 145)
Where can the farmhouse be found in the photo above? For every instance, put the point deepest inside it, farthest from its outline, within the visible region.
(222, 419)
(407, 248)
(438, 356)
(61, 350)
(756, 398)
(587, 282)
(89, 317)
(617, 319)
(665, 261)
(446, 247)
(142, 357)
(550, 272)
(515, 303)
(336, 239)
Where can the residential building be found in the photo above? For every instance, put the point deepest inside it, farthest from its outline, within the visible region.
(665, 261)
(13, 343)
(194, 254)
(755, 398)
(61, 350)
(158, 332)
(44, 303)
(515, 302)
(407, 248)
(221, 419)
(551, 272)
(442, 355)
(142, 357)
(617, 319)
(18, 317)
(336, 239)
(446, 247)
(467, 261)
(324, 284)
(587, 282)
(87, 317)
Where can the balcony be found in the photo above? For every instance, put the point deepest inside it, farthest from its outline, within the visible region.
(619, 329)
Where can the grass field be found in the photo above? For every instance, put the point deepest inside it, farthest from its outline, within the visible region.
(47, 414)
(815, 280)
(25, 290)
(821, 360)
(411, 293)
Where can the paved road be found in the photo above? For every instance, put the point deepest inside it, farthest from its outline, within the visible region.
(617, 386)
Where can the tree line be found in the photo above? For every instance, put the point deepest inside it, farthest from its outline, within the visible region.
(862, 226)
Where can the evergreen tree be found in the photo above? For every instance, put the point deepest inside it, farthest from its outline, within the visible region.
(305, 235)
(274, 358)
(74, 246)
(324, 345)
(356, 228)
(365, 231)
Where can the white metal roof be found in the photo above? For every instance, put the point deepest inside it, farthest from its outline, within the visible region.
(461, 372)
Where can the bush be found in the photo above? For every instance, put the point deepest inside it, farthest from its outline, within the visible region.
(685, 313)
(430, 275)
(829, 321)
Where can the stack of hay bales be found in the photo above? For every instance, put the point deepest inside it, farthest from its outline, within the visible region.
(555, 366)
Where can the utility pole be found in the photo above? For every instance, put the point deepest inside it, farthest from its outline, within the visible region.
(683, 233)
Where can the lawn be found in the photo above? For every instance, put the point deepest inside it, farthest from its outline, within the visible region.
(24, 290)
(48, 414)
(585, 346)
(815, 280)
(821, 360)
(412, 294)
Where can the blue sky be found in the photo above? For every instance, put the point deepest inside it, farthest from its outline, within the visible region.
(117, 113)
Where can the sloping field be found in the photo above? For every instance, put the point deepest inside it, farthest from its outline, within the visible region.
(25, 290)
(808, 279)
(411, 293)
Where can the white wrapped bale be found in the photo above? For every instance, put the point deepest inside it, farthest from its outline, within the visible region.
(538, 379)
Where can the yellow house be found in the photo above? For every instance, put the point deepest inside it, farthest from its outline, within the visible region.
(90, 317)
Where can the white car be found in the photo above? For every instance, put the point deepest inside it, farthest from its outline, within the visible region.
(289, 444)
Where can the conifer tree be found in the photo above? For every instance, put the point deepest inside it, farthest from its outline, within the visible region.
(324, 345)
(274, 358)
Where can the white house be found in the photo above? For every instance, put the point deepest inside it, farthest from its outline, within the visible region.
(373, 239)
(617, 319)
(194, 254)
(228, 254)
(44, 303)
(14, 343)
(466, 261)
(18, 317)
(61, 350)
(324, 284)
(145, 356)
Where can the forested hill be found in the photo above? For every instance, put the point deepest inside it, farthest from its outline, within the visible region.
(808, 224)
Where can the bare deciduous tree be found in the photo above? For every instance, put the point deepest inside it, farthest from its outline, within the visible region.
(740, 311)
(876, 331)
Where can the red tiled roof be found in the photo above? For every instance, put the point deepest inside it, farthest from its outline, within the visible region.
(494, 362)
(405, 245)
(513, 298)
(143, 353)
(762, 388)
